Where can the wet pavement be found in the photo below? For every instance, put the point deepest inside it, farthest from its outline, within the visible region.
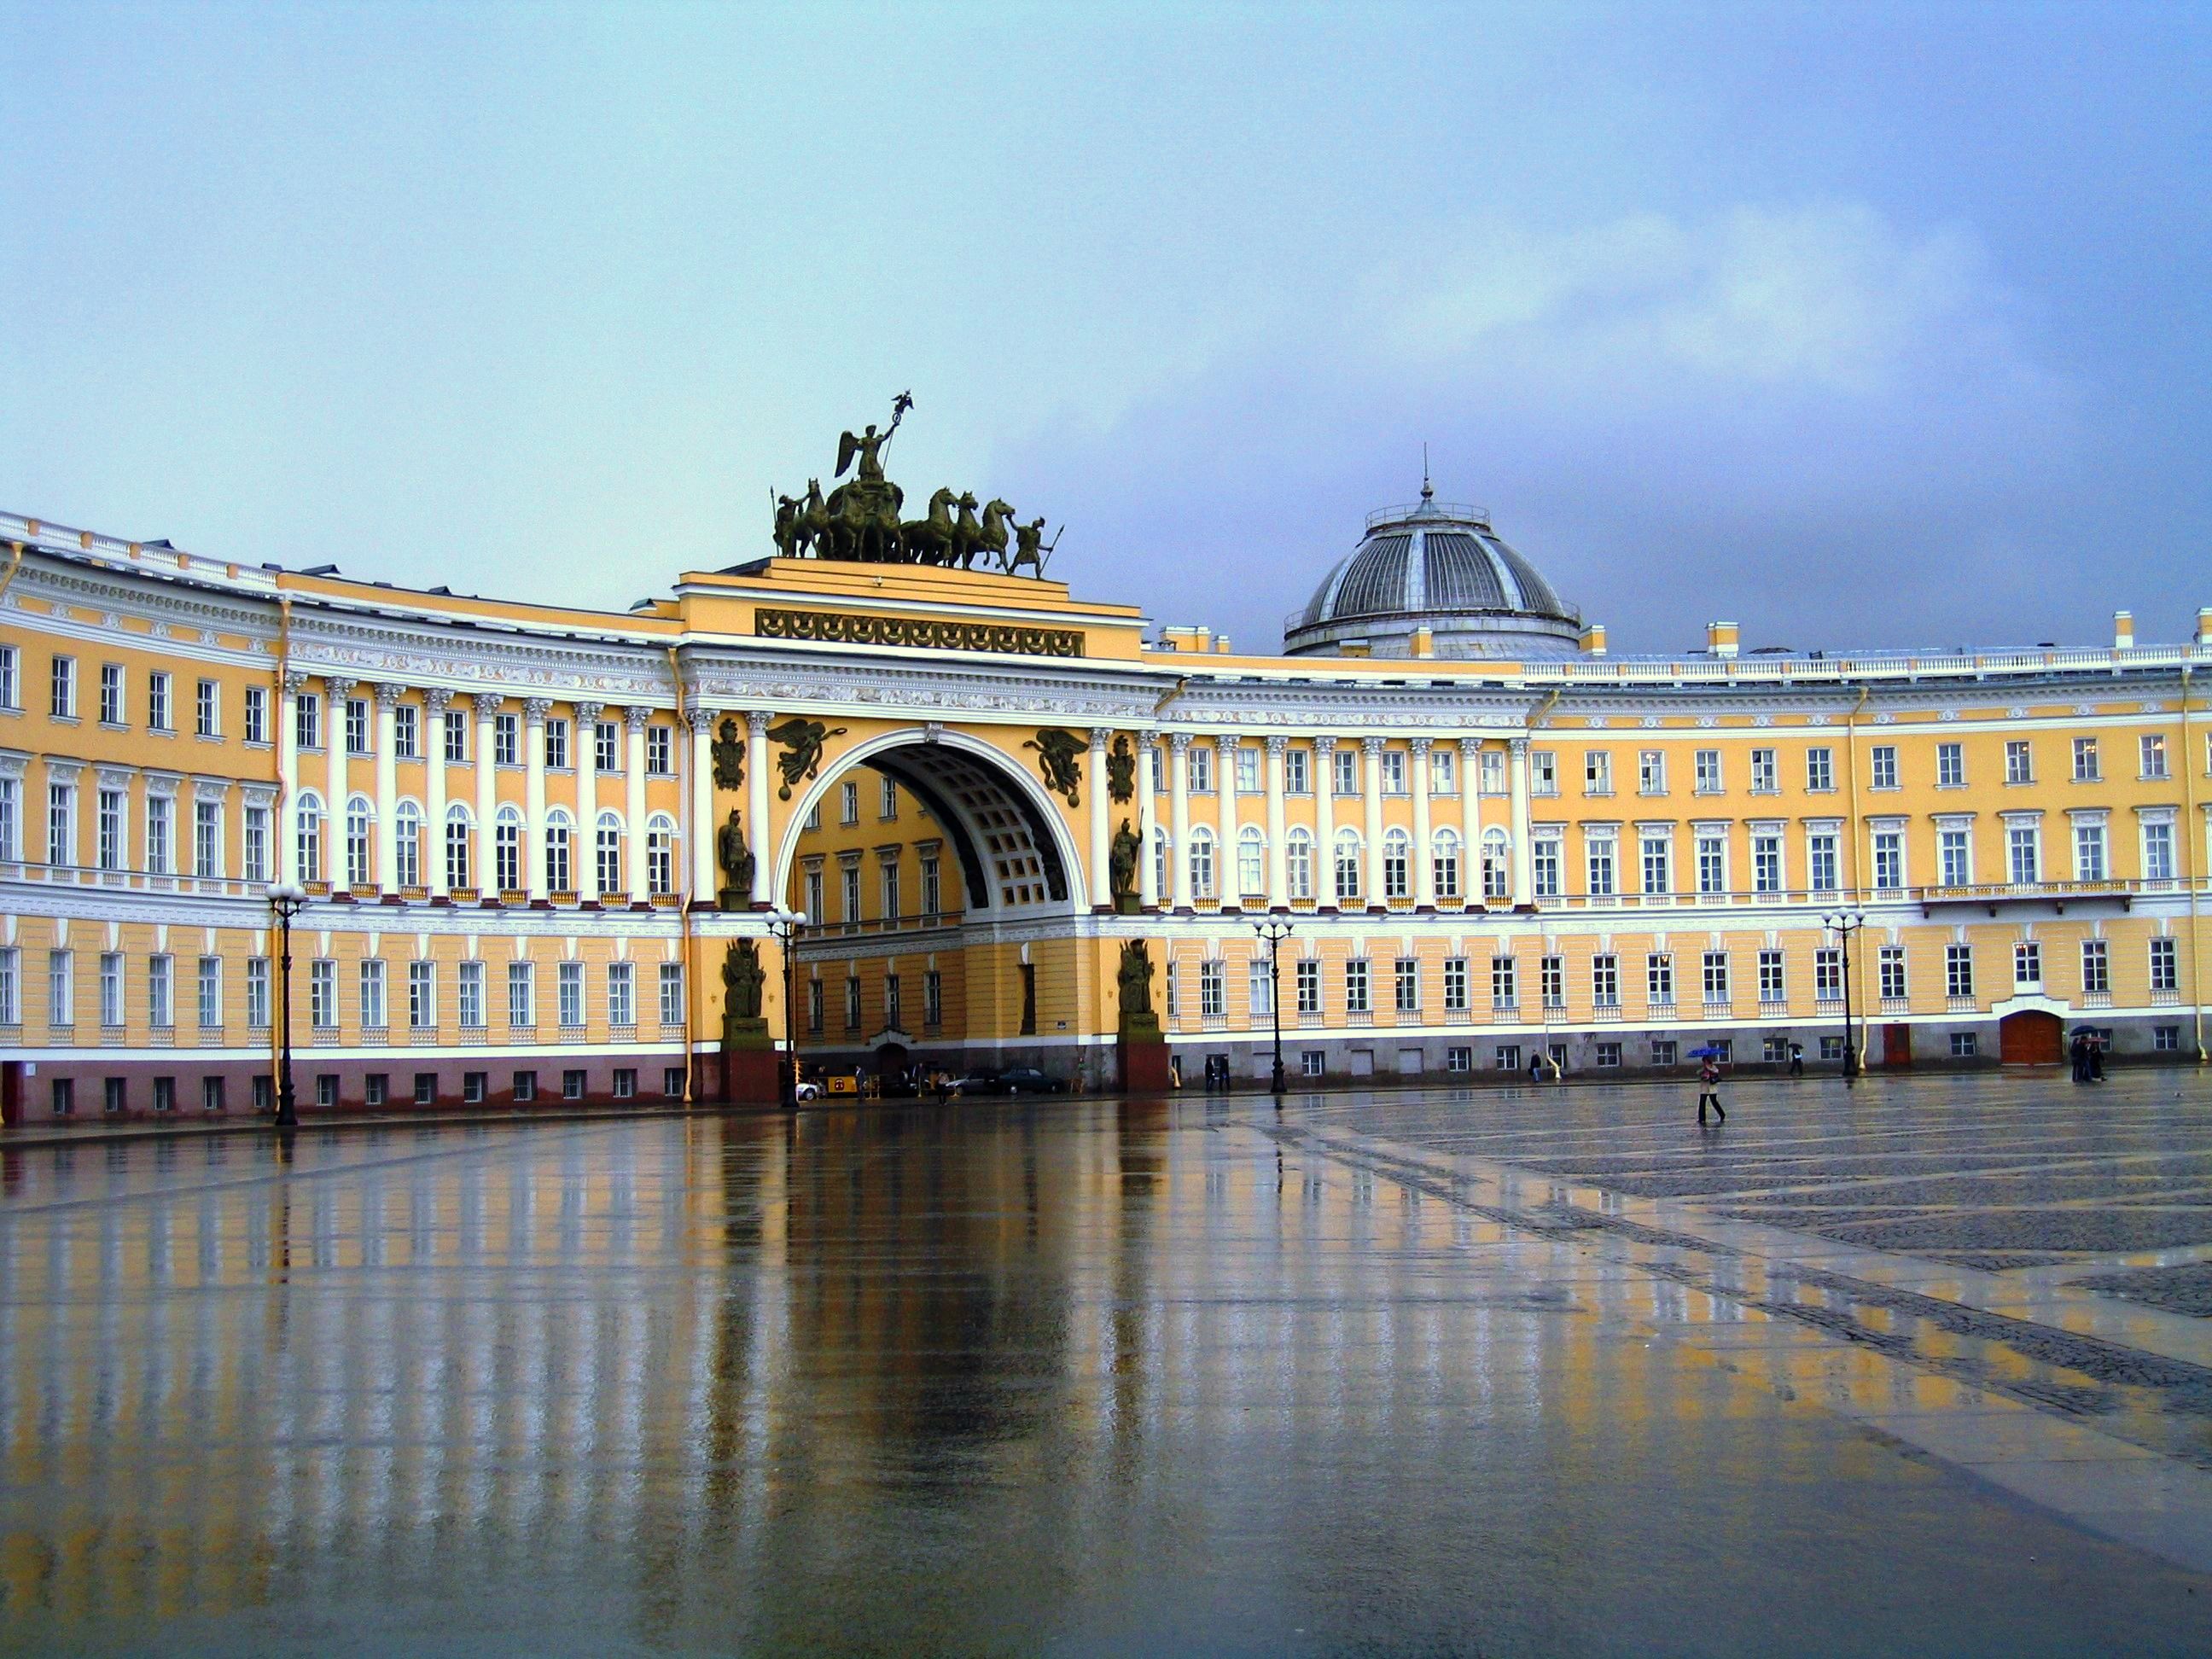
(1914, 1366)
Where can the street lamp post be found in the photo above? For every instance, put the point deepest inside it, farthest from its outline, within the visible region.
(1844, 924)
(1274, 931)
(786, 926)
(287, 899)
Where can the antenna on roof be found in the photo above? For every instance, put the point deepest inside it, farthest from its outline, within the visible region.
(1428, 494)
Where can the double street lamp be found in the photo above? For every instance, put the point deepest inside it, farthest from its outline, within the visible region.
(286, 899)
(1844, 924)
(785, 927)
(1273, 931)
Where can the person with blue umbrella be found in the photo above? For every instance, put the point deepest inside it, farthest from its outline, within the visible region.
(1709, 1082)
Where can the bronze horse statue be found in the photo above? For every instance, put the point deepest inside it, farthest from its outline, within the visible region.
(862, 522)
(991, 540)
(930, 540)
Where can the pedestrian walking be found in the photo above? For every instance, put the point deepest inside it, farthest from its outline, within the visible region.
(1536, 1067)
(1709, 1089)
(1796, 1060)
(2097, 1058)
(2078, 1051)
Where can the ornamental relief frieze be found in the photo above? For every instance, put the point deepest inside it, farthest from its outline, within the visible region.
(917, 633)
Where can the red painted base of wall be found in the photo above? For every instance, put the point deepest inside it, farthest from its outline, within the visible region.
(750, 1077)
(1144, 1068)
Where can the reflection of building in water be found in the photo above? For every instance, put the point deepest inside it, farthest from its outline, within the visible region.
(531, 834)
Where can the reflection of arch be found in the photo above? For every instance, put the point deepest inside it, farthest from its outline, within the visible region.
(991, 809)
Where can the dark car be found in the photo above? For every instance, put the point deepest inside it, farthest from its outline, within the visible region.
(1028, 1080)
(977, 1082)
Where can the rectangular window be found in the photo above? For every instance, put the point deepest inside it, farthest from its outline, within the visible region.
(1213, 990)
(1600, 857)
(1712, 864)
(660, 750)
(1665, 1051)
(1955, 847)
(1828, 973)
(2158, 852)
(422, 996)
(2023, 843)
(671, 993)
(1356, 992)
(1444, 772)
(1248, 770)
(257, 1000)
(569, 994)
(1605, 982)
(1545, 863)
(61, 824)
(851, 886)
(257, 713)
(1821, 770)
(11, 819)
(2166, 1039)
(625, 1082)
(1309, 986)
(406, 732)
(932, 886)
(1658, 864)
(322, 993)
(1959, 970)
(1407, 975)
(1964, 1045)
(1454, 984)
(1506, 1057)
(1494, 772)
(1346, 764)
(1459, 1058)
(933, 1000)
(112, 803)
(257, 843)
(507, 740)
(1885, 766)
(357, 726)
(852, 1001)
(526, 1087)
(1950, 765)
(1504, 982)
(1651, 772)
(372, 993)
(888, 872)
(111, 989)
(111, 694)
(1543, 772)
(1891, 966)
(1260, 989)
(1765, 776)
(887, 800)
(523, 996)
(2027, 962)
(1708, 768)
(2165, 965)
(475, 1086)
(1771, 986)
(1296, 779)
(1888, 859)
(1552, 981)
(557, 745)
(61, 988)
(1766, 863)
(2096, 966)
(307, 720)
(1597, 771)
(1393, 771)
(606, 746)
(814, 1015)
(469, 996)
(1716, 976)
(11, 684)
(2153, 747)
(161, 835)
(1201, 769)
(849, 803)
(63, 706)
(622, 993)
(207, 838)
(456, 739)
(11, 1007)
(2020, 761)
(1822, 865)
(2088, 852)
(573, 1084)
(159, 713)
(2084, 760)
(1659, 979)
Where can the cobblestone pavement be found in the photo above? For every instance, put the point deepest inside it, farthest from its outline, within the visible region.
(1536, 1371)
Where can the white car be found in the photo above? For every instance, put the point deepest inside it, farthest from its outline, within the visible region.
(808, 1090)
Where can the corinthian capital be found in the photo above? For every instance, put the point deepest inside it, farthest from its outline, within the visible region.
(588, 713)
(437, 700)
(490, 702)
(535, 709)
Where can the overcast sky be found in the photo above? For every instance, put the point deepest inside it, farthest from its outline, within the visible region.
(1859, 326)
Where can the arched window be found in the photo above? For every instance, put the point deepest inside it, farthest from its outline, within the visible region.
(608, 850)
(457, 846)
(660, 853)
(1160, 862)
(1251, 860)
(359, 816)
(1447, 864)
(1497, 865)
(507, 849)
(309, 818)
(559, 836)
(1202, 863)
(1348, 863)
(407, 845)
(1397, 865)
(1298, 860)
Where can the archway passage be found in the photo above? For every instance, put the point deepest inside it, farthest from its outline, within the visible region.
(2031, 1037)
(935, 877)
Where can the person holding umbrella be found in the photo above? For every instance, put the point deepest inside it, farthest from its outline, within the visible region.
(1709, 1082)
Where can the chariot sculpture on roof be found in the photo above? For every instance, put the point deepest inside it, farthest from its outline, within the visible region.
(859, 520)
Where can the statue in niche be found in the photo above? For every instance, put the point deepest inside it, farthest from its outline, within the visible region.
(1121, 770)
(738, 864)
(1122, 868)
(1134, 979)
(741, 979)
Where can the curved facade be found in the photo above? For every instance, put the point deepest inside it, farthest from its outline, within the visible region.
(519, 826)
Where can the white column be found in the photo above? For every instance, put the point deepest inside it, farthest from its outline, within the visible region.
(587, 801)
(1470, 819)
(1179, 818)
(700, 794)
(387, 787)
(287, 828)
(486, 753)
(534, 711)
(1278, 881)
(1148, 822)
(1099, 878)
(756, 823)
(1324, 787)
(334, 803)
(1371, 789)
(1524, 865)
(1225, 762)
(434, 703)
(635, 720)
(1425, 863)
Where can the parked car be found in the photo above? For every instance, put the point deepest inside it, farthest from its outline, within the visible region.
(977, 1082)
(1028, 1080)
(808, 1090)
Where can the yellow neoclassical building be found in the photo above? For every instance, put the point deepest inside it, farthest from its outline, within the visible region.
(545, 848)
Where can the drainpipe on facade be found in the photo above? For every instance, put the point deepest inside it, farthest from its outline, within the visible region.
(1851, 760)
(683, 903)
(2192, 834)
(15, 563)
(279, 674)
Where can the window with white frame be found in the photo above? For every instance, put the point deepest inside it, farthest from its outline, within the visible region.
(607, 853)
(1397, 865)
(1494, 772)
(62, 689)
(1605, 981)
(1651, 772)
(161, 835)
(111, 694)
(1545, 862)
(2152, 748)
(507, 740)
(1959, 970)
(507, 849)
(1201, 767)
(1251, 860)
(1298, 780)
(357, 825)
(1308, 982)
(1601, 855)
(1543, 772)
(114, 811)
(1444, 864)
(2089, 849)
(557, 745)
(258, 1000)
(1765, 775)
(606, 746)
(888, 876)
(1405, 985)
(1659, 979)
(457, 846)
(61, 988)
(660, 750)
(1954, 847)
(622, 993)
(568, 987)
(1706, 766)
(1497, 865)
(1716, 976)
(111, 989)
(1772, 987)
(469, 996)
(2084, 760)
(2020, 761)
(1888, 859)
(1201, 862)
(1827, 974)
(1248, 777)
(1393, 763)
(1658, 861)
(1444, 771)
(672, 995)
(522, 995)
(1950, 765)
(2165, 965)
(933, 884)
(559, 840)
(160, 713)
(1823, 865)
(1597, 771)
(2158, 849)
(61, 824)
(1552, 981)
(1260, 989)
(887, 807)
(1766, 861)
(1712, 862)
(1883, 766)
(160, 991)
(257, 713)
(849, 802)
(357, 726)
(2024, 849)
(2096, 967)
(1297, 863)
(1454, 984)
(422, 996)
(1348, 863)
(1213, 990)
(849, 874)
(1504, 982)
(1819, 769)
(2027, 962)
(372, 993)
(207, 838)
(1345, 765)
(11, 682)
(11, 987)
(660, 854)
(1356, 989)
(322, 993)
(1891, 967)
(406, 732)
